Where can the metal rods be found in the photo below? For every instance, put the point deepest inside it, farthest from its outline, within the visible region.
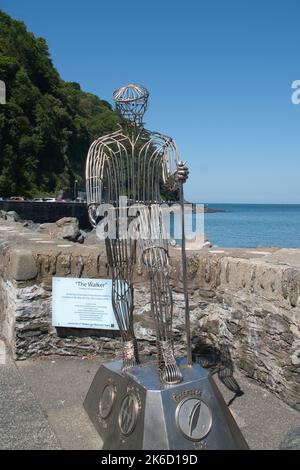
(133, 163)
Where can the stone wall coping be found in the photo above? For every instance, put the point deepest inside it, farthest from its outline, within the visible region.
(20, 242)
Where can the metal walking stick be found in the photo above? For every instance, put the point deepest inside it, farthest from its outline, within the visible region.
(184, 277)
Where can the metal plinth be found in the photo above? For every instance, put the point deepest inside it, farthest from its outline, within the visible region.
(136, 411)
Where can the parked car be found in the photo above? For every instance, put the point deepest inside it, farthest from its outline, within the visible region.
(17, 198)
(37, 199)
(50, 199)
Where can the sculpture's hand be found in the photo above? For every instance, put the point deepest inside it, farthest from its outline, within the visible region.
(92, 211)
(182, 172)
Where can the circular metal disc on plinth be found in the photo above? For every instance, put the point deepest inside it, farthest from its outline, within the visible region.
(193, 418)
(107, 401)
(128, 414)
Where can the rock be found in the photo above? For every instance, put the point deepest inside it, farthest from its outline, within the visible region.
(66, 228)
(67, 221)
(46, 226)
(12, 216)
(22, 265)
(197, 242)
(81, 237)
(69, 229)
(70, 232)
(32, 225)
(295, 358)
(49, 228)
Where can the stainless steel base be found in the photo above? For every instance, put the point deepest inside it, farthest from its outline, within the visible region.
(135, 411)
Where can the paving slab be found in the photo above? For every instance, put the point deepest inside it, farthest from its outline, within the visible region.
(263, 419)
(60, 385)
(23, 424)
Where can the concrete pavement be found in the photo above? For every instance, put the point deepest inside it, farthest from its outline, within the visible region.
(23, 424)
(41, 406)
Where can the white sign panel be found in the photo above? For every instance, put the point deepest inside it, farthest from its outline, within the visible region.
(82, 303)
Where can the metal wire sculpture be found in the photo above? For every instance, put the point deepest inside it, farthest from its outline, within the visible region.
(133, 162)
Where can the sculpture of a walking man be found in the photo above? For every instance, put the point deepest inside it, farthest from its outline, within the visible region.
(135, 163)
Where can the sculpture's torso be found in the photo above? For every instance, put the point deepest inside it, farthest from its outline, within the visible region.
(132, 163)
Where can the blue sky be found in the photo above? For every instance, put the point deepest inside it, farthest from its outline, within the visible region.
(219, 73)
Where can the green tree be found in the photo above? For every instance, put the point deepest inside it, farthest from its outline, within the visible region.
(47, 124)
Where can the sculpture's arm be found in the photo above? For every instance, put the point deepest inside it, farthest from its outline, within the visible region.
(169, 163)
(94, 175)
(173, 170)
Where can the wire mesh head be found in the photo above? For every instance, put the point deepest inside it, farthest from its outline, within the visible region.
(131, 101)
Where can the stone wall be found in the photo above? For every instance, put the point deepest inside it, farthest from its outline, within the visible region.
(245, 300)
(253, 306)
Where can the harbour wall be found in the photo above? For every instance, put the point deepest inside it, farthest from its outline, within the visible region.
(46, 212)
(245, 301)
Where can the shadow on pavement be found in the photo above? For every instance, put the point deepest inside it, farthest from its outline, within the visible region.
(218, 361)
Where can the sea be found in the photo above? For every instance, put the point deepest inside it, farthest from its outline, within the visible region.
(253, 225)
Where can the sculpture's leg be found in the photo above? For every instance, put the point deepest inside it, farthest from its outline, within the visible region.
(121, 259)
(155, 257)
(162, 310)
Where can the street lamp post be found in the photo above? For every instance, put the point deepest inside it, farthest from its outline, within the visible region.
(75, 189)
